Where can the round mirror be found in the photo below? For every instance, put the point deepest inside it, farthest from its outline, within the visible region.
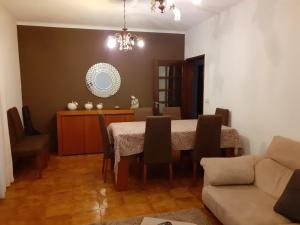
(103, 80)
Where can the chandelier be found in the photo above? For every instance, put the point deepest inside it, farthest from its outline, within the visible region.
(125, 40)
(162, 5)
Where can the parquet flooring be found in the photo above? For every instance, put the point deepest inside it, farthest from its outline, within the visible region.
(68, 194)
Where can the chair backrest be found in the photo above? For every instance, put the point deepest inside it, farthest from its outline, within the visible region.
(28, 126)
(104, 136)
(208, 137)
(173, 112)
(141, 114)
(224, 113)
(157, 142)
(16, 130)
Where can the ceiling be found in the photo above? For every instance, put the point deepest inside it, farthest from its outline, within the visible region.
(108, 14)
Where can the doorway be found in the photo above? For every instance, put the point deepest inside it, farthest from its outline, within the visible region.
(193, 87)
(198, 87)
(180, 83)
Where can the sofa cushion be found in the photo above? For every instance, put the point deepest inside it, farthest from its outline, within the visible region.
(242, 205)
(285, 151)
(229, 171)
(31, 145)
(272, 177)
(289, 203)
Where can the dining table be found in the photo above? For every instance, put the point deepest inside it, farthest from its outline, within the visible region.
(128, 140)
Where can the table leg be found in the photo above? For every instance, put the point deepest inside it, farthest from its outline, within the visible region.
(123, 170)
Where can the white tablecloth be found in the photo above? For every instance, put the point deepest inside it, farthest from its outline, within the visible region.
(128, 137)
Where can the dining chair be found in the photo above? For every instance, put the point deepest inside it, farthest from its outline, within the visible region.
(174, 112)
(108, 147)
(141, 114)
(28, 125)
(157, 143)
(23, 146)
(224, 113)
(207, 142)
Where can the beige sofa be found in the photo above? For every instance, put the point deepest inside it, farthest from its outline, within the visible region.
(244, 190)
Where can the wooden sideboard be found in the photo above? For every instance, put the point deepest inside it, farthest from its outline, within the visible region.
(78, 132)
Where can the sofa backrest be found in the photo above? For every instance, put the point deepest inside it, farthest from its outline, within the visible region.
(274, 172)
(271, 177)
(285, 151)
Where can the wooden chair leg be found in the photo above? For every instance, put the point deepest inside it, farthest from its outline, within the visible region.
(171, 173)
(45, 158)
(194, 172)
(145, 175)
(39, 164)
(112, 163)
(103, 165)
(105, 171)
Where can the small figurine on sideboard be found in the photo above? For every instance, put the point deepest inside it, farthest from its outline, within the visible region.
(134, 102)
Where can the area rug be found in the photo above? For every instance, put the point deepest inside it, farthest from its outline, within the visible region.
(195, 216)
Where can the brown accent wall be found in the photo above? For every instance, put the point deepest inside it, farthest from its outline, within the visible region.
(54, 62)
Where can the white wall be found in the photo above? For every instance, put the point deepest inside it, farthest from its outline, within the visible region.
(10, 91)
(253, 68)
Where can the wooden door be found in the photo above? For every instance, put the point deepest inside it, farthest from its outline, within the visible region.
(167, 83)
(187, 90)
(92, 135)
(72, 135)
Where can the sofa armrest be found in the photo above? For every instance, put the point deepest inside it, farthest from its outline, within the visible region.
(205, 180)
(229, 171)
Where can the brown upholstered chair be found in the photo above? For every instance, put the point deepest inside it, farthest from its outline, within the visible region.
(173, 112)
(27, 146)
(28, 126)
(157, 143)
(207, 142)
(141, 114)
(108, 147)
(224, 113)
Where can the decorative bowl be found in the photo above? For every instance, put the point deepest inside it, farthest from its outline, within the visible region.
(72, 106)
(99, 106)
(88, 106)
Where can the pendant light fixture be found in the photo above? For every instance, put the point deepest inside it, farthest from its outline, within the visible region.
(125, 41)
(164, 5)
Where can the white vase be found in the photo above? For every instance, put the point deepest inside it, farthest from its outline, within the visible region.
(88, 106)
(72, 106)
(99, 106)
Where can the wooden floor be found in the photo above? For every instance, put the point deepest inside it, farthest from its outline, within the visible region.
(69, 190)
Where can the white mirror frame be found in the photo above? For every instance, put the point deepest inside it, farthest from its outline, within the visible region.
(103, 80)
